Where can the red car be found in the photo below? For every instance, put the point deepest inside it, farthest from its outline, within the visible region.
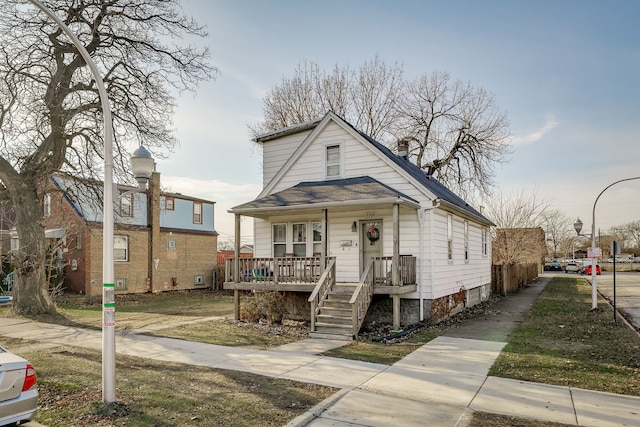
(587, 270)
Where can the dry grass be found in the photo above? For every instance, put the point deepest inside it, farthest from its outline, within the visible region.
(159, 394)
(563, 342)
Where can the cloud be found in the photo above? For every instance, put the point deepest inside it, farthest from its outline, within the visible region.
(550, 123)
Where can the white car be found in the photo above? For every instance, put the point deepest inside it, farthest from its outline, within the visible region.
(18, 389)
(572, 267)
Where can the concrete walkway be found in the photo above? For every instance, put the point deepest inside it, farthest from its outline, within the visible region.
(440, 384)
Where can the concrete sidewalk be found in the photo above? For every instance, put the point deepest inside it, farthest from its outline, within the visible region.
(440, 384)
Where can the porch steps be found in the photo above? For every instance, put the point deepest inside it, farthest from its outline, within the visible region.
(334, 321)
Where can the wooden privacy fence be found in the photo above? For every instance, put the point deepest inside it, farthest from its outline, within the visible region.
(507, 278)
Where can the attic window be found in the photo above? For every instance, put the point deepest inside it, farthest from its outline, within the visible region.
(126, 204)
(169, 203)
(333, 161)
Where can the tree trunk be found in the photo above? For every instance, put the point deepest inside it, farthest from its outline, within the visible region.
(30, 288)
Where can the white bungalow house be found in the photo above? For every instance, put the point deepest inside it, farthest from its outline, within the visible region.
(358, 231)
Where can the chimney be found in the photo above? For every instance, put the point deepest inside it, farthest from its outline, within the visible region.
(430, 169)
(403, 148)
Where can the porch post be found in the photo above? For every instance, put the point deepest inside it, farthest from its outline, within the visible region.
(323, 237)
(395, 265)
(396, 311)
(236, 270)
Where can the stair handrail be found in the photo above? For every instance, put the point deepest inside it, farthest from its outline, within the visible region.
(321, 291)
(362, 296)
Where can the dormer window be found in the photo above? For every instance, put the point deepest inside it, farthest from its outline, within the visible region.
(126, 204)
(333, 161)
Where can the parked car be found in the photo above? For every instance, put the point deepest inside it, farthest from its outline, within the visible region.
(587, 270)
(555, 266)
(18, 389)
(572, 267)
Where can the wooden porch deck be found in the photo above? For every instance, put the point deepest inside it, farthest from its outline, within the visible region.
(301, 274)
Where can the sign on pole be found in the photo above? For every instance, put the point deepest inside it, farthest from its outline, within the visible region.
(593, 253)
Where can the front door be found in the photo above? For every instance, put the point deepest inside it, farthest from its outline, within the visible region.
(370, 241)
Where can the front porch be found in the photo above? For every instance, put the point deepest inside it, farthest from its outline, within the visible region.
(301, 274)
(317, 276)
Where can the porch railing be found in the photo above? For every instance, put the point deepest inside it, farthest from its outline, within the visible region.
(362, 296)
(322, 290)
(382, 270)
(275, 270)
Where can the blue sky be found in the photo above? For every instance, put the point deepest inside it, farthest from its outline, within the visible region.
(566, 72)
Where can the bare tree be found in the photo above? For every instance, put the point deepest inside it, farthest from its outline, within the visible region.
(633, 228)
(453, 128)
(456, 129)
(367, 97)
(50, 115)
(557, 228)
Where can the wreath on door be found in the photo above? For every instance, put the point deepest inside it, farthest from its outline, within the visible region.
(373, 233)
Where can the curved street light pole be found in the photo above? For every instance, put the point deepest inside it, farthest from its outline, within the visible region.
(108, 285)
(594, 293)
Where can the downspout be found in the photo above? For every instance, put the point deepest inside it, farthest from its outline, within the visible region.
(435, 203)
(236, 270)
(420, 217)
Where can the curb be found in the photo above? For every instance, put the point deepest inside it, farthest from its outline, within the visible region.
(314, 412)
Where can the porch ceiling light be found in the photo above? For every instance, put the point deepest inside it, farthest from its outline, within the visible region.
(142, 166)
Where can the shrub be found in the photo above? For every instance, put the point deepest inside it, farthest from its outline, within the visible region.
(250, 311)
(274, 306)
(266, 305)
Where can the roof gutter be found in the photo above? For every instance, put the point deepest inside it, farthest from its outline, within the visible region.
(465, 213)
(274, 209)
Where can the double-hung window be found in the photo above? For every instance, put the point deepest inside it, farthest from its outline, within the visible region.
(126, 204)
(120, 248)
(197, 213)
(300, 239)
(333, 161)
(279, 240)
(169, 203)
(317, 237)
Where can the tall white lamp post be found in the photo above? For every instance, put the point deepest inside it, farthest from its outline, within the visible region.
(108, 287)
(595, 252)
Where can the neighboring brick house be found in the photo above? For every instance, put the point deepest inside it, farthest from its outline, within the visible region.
(162, 241)
(519, 246)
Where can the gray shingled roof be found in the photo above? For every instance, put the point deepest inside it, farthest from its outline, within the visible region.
(432, 184)
(338, 191)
